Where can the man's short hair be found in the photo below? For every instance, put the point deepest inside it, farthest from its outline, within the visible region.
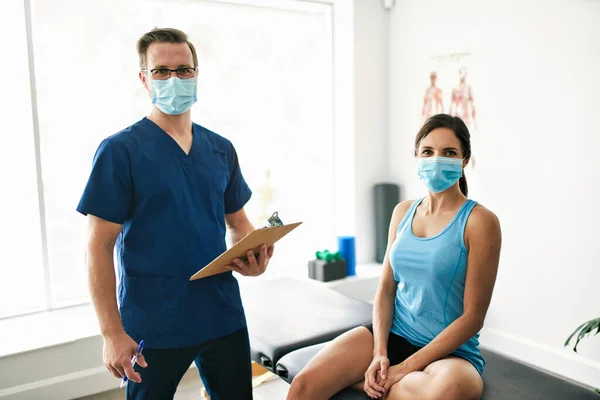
(162, 35)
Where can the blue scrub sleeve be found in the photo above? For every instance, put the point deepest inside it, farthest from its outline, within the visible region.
(108, 193)
(237, 192)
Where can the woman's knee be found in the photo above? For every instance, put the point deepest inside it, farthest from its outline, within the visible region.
(457, 383)
(459, 388)
(421, 385)
(412, 386)
(302, 387)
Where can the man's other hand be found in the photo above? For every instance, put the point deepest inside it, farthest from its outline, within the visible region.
(118, 351)
(253, 265)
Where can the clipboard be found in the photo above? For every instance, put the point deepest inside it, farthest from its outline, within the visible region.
(253, 240)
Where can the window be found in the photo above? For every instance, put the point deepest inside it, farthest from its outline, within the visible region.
(265, 83)
(21, 261)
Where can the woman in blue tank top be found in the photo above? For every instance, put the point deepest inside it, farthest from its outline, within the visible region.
(437, 281)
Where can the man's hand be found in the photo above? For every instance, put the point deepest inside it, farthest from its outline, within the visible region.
(252, 266)
(118, 350)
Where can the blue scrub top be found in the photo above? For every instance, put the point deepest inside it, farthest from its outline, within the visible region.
(172, 207)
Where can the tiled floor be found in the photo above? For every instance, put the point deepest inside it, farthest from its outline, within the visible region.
(191, 387)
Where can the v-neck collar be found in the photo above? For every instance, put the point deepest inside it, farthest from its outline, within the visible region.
(178, 149)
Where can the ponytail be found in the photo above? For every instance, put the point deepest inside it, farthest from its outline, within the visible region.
(462, 184)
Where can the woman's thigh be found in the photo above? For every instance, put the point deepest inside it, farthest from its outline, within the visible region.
(342, 363)
(451, 378)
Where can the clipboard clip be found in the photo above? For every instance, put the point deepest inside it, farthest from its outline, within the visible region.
(274, 220)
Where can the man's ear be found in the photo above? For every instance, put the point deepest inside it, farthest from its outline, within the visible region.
(145, 81)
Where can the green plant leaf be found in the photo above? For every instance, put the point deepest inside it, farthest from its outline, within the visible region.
(574, 333)
(587, 328)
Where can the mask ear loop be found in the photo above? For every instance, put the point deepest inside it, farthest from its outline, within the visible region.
(467, 160)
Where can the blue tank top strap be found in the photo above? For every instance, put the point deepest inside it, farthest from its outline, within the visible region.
(460, 222)
(464, 212)
(409, 214)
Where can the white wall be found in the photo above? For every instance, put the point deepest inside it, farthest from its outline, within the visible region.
(371, 35)
(537, 164)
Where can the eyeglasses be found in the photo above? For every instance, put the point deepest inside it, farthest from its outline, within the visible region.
(165, 73)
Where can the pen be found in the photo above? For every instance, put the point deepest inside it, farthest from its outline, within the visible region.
(133, 360)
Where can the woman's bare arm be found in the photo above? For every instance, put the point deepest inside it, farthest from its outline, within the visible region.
(383, 310)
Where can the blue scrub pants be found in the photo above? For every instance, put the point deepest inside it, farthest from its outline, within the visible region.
(223, 363)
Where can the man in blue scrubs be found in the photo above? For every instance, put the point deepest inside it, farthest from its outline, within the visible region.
(163, 191)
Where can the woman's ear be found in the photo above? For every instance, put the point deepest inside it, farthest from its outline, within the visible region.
(466, 162)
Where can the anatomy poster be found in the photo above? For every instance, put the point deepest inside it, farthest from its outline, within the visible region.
(450, 86)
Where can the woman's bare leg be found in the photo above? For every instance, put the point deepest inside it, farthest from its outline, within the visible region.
(340, 364)
(449, 379)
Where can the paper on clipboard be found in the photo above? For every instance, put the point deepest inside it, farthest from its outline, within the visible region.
(253, 240)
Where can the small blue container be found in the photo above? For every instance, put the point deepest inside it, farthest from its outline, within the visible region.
(347, 247)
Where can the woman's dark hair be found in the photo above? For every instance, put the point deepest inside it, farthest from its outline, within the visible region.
(461, 131)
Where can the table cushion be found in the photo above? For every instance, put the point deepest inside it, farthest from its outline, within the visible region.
(287, 314)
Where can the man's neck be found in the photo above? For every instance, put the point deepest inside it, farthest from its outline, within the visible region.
(174, 125)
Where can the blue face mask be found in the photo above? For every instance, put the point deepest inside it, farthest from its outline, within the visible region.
(440, 173)
(174, 96)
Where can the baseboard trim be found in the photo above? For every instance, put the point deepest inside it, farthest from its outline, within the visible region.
(71, 386)
(559, 361)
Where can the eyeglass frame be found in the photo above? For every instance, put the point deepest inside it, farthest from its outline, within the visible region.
(195, 69)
